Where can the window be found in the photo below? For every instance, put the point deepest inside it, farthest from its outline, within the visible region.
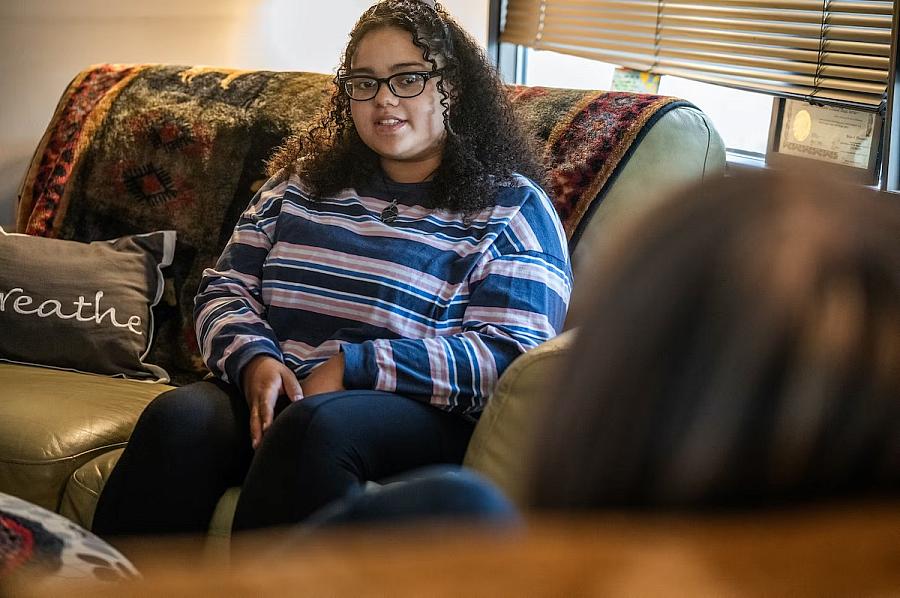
(741, 117)
(729, 57)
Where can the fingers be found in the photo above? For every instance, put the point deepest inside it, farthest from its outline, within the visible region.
(263, 411)
(265, 379)
(261, 415)
(262, 403)
(266, 408)
(255, 427)
(291, 385)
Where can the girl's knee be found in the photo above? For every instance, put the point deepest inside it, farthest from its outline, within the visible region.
(194, 406)
(316, 420)
(170, 405)
(302, 412)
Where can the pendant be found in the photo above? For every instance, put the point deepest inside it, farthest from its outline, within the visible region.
(390, 213)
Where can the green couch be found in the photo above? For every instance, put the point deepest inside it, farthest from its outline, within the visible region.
(611, 154)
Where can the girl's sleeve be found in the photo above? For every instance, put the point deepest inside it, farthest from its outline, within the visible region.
(229, 314)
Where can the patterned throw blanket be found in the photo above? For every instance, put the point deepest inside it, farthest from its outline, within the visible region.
(137, 148)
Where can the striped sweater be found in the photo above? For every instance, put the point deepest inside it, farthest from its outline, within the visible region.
(427, 306)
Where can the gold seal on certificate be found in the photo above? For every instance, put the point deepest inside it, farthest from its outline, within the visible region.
(801, 126)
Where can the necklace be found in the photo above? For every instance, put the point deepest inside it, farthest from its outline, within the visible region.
(390, 212)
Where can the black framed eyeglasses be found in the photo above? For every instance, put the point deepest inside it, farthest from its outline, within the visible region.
(403, 85)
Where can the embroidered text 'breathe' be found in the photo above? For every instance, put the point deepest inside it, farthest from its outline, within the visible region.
(52, 307)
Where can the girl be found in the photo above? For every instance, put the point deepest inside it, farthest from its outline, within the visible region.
(372, 293)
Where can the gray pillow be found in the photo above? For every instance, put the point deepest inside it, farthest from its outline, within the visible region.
(85, 307)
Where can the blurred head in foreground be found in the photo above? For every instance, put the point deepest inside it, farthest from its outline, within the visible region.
(740, 347)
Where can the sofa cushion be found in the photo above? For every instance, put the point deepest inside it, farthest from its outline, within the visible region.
(82, 306)
(52, 422)
(502, 439)
(84, 486)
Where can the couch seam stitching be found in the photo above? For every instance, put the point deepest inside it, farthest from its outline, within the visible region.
(105, 448)
(84, 486)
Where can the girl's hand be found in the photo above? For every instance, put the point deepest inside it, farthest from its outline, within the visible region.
(264, 380)
(328, 377)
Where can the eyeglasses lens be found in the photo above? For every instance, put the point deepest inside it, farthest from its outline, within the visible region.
(402, 85)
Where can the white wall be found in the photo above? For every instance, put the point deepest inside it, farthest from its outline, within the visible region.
(44, 43)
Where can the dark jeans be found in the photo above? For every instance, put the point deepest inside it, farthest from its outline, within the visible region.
(192, 443)
(439, 492)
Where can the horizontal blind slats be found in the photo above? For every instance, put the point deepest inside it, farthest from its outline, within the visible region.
(782, 65)
(616, 40)
(773, 44)
(595, 36)
(844, 65)
(867, 7)
(669, 66)
(808, 30)
(729, 13)
(839, 97)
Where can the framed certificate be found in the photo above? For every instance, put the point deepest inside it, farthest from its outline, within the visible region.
(849, 140)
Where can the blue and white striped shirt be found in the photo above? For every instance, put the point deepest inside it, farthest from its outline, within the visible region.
(427, 306)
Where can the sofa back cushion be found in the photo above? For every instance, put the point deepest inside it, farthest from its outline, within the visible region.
(147, 147)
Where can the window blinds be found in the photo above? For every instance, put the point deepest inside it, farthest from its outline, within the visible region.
(835, 51)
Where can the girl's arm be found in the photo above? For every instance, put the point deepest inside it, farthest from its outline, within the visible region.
(517, 301)
(229, 313)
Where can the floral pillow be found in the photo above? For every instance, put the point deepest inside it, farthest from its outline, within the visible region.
(39, 545)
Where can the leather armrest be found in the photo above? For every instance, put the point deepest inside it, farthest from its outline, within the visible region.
(499, 447)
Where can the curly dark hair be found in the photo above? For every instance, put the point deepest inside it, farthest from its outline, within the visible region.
(485, 143)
